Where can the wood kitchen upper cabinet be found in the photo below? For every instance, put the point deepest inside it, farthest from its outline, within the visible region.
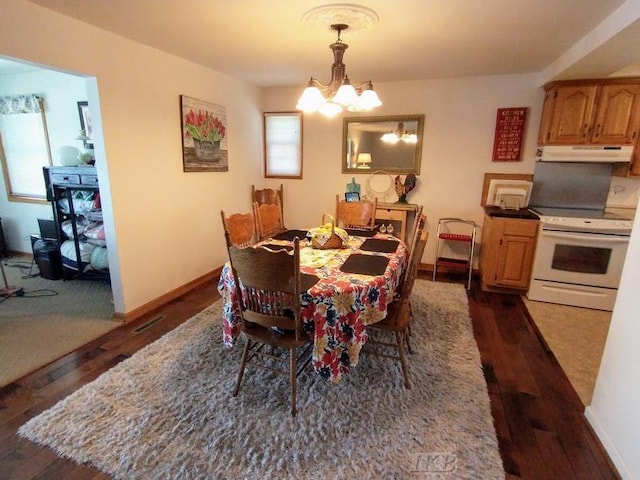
(506, 254)
(617, 118)
(593, 112)
(568, 111)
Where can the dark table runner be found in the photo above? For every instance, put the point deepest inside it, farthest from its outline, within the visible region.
(365, 264)
(289, 235)
(379, 245)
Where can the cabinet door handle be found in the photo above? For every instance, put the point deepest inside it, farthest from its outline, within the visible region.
(597, 133)
(584, 130)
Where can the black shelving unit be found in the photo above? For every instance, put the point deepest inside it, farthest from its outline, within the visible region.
(64, 183)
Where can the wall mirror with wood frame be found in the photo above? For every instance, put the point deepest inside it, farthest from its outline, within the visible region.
(391, 143)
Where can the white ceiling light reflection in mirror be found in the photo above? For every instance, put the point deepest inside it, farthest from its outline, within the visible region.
(393, 143)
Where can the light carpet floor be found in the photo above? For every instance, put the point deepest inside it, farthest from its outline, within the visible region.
(52, 319)
(576, 336)
(167, 412)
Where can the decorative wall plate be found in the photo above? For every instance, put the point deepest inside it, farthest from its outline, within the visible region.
(380, 185)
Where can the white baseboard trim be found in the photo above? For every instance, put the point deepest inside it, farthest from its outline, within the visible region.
(608, 445)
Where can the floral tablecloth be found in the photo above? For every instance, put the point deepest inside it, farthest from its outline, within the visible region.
(336, 310)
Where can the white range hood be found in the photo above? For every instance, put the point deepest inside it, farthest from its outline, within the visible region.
(584, 153)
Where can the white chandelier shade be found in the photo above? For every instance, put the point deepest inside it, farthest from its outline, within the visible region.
(339, 94)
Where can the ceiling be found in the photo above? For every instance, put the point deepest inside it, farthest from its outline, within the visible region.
(266, 43)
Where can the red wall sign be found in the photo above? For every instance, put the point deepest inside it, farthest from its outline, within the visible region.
(507, 143)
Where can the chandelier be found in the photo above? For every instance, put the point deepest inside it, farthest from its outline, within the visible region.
(400, 134)
(330, 99)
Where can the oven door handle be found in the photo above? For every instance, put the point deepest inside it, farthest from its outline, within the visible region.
(587, 238)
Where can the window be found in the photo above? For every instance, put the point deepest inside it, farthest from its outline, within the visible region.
(24, 147)
(283, 145)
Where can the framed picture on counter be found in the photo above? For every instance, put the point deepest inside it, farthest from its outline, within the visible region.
(352, 197)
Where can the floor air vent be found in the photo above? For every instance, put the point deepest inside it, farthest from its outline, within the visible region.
(149, 324)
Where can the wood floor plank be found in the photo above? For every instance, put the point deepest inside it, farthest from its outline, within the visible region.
(542, 410)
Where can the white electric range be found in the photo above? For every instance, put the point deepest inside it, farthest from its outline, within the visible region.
(579, 256)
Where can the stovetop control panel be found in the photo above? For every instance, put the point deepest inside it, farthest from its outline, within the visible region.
(587, 225)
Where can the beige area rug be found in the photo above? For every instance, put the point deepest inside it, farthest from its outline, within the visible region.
(51, 319)
(576, 336)
(167, 412)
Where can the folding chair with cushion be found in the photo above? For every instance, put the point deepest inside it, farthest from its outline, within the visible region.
(398, 317)
(241, 228)
(455, 246)
(270, 311)
(356, 215)
(269, 195)
(268, 219)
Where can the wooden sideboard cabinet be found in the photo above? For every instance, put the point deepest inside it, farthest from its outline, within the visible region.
(396, 214)
(506, 252)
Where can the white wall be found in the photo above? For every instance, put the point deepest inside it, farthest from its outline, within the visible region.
(614, 412)
(163, 225)
(460, 116)
(61, 92)
(624, 192)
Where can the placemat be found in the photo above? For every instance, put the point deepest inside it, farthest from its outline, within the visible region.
(289, 235)
(379, 245)
(360, 233)
(307, 281)
(277, 246)
(365, 264)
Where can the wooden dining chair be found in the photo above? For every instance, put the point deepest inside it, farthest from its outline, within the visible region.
(241, 228)
(357, 215)
(398, 318)
(270, 311)
(416, 232)
(418, 226)
(269, 195)
(268, 218)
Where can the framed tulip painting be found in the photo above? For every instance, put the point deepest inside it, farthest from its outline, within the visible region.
(204, 136)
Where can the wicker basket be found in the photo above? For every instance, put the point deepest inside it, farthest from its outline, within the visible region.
(334, 240)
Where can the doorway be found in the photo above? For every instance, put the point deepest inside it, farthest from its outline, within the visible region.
(62, 93)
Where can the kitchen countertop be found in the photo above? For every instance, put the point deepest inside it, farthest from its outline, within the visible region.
(522, 213)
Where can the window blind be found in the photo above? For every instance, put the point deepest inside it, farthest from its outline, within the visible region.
(283, 144)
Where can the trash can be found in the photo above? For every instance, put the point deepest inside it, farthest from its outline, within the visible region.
(47, 257)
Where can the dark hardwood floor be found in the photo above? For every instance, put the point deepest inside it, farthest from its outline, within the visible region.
(538, 416)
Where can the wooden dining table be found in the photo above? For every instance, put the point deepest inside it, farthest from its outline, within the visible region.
(348, 289)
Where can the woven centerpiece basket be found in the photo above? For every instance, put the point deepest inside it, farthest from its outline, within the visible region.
(328, 229)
